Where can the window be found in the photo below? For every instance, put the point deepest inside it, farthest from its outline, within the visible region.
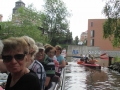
(92, 33)
(91, 24)
(92, 42)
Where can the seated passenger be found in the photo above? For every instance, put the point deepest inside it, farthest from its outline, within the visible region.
(35, 65)
(15, 58)
(50, 51)
(92, 61)
(60, 58)
(47, 63)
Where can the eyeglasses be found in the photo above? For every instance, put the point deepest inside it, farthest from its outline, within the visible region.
(8, 58)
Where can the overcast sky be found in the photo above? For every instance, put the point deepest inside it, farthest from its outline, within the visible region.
(81, 10)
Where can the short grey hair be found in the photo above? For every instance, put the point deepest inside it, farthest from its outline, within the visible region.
(1, 46)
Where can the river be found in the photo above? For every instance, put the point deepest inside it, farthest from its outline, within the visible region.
(78, 77)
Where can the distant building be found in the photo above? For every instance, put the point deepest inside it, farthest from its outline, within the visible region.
(95, 35)
(18, 4)
(1, 16)
(15, 18)
(83, 36)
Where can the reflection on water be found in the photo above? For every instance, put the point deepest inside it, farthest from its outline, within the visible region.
(82, 78)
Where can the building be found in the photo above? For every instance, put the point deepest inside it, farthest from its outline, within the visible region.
(1, 16)
(83, 36)
(95, 35)
(18, 4)
(15, 18)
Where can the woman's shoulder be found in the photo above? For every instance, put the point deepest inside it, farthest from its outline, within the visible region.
(30, 76)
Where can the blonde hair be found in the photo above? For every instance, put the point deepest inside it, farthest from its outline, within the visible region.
(33, 49)
(46, 45)
(15, 43)
(58, 47)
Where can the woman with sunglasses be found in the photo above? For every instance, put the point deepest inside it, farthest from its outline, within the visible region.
(14, 57)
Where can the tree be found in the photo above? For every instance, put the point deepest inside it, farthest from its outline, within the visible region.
(76, 40)
(24, 22)
(54, 19)
(111, 27)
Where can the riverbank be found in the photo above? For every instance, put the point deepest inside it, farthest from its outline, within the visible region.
(115, 66)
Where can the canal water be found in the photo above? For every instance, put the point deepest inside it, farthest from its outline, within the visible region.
(78, 77)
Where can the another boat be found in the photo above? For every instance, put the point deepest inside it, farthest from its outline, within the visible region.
(79, 62)
(96, 66)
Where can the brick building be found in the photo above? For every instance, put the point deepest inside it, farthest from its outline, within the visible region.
(83, 36)
(95, 35)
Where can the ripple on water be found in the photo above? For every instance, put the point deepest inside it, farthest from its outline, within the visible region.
(82, 78)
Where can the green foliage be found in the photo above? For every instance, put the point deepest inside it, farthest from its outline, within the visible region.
(54, 21)
(76, 40)
(116, 59)
(111, 27)
(25, 22)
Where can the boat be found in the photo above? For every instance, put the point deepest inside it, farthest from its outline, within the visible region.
(79, 62)
(96, 66)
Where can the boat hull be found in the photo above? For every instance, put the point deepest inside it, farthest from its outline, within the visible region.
(96, 66)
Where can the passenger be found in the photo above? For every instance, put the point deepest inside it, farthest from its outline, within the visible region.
(1, 47)
(47, 63)
(35, 65)
(82, 59)
(46, 45)
(2, 66)
(15, 58)
(50, 51)
(86, 60)
(60, 58)
(1, 63)
(92, 61)
(63, 53)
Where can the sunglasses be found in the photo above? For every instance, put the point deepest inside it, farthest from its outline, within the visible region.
(40, 50)
(17, 57)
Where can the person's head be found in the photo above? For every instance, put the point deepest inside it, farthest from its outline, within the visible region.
(50, 51)
(58, 49)
(41, 52)
(46, 45)
(1, 47)
(33, 49)
(14, 54)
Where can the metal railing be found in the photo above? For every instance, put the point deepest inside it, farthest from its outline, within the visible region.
(61, 84)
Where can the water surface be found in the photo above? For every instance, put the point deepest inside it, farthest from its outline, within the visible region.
(83, 78)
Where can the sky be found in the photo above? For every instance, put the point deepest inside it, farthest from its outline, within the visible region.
(81, 11)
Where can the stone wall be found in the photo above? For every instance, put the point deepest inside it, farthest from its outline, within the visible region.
(74, 50)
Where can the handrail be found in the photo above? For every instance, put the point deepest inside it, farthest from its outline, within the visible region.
(61, 84)
(63, 79)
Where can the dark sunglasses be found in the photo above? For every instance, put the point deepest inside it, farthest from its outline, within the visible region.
(8, 58)
(40, 50)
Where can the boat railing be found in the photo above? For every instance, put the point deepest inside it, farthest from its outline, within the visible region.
(61, 84)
